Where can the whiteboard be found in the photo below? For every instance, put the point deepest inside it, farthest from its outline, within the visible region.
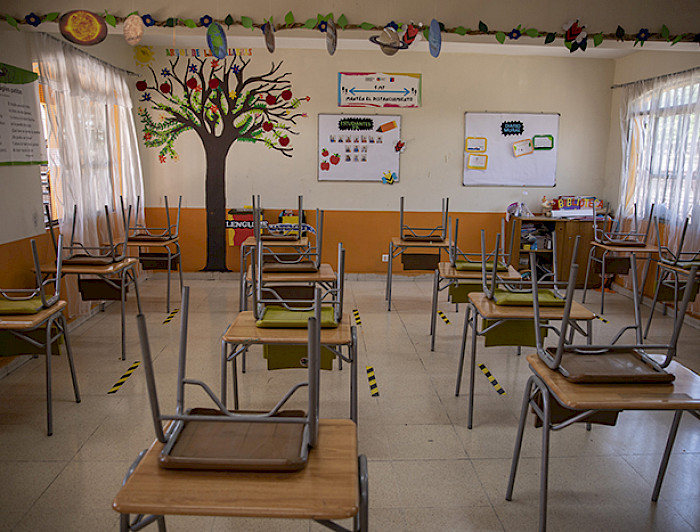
(358, 147)
(510, 149)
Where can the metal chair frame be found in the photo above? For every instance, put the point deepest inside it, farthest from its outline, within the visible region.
(407, 232)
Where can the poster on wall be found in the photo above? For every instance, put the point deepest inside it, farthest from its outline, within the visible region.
(510, 149)
(378, 89)
(21, 138)
(359, 147)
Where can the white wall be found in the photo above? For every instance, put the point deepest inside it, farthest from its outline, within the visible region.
(431, 166)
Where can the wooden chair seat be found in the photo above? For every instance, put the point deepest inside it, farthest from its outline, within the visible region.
(89, 259)
(467, 266)
(277, 316)
(297, 267)
(547, 298)
(418, 238)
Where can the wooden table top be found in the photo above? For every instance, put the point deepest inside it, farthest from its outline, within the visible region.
(447, 271)
(399, 242)
(96, 269)
(681, 394)
(145, 242)
(648, 249)
(489, 310)
(327, 488)
(244, 331)
(299, 242)
(325, 274)
(29, 321)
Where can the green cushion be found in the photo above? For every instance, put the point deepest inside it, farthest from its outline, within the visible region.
(547, 298)
(459, 292)
(467, 266)
(276, 316)
(26, 306)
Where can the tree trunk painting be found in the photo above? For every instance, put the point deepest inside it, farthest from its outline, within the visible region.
(222, 104)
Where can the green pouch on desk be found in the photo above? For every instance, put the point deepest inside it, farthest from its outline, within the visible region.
(511, 332)
(294, 356)
(459, 292)
(279, 317)
(468, 266)
(547, 298)
(24, 306)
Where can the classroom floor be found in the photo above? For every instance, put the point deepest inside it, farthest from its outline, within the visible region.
(426, 470)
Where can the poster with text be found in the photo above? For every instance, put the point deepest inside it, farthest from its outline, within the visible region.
(378, 89)
(510, 149)
(358, 147)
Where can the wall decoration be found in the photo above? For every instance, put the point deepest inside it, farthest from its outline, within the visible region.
(216, 40)
(133, 29)
(435, 38)
(379, 89)
(21, 138)
(223, 103)
(331, 37)
(358, 147)
(83, 27)
(389, 41)
(510, 149)
(143, 55)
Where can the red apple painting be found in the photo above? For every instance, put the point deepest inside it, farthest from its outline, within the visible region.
(325, 165)
(335, 159)
(324, 152)
(284, 141)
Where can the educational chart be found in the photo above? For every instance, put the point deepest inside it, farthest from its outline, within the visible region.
(21, 139)
(378, 89)
(510, 149)
(359, 147)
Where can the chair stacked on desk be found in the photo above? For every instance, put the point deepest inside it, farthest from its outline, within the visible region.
(573, 383)
(32, 322)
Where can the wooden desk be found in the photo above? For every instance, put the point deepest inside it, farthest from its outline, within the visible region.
(397, 246)
(664, 270)
(247, 248)
(331, 486)
(124, 269)
(481, 306)
(681, 395)
(243, 333)
(648, 250)
(447, 272)
(48, 319)
(170, 256)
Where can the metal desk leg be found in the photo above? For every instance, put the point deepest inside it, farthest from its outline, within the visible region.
(224, 356)
(433, 311)
(389, 275)
(635, 299)
(588, 269)
(170, 265)
(667, 454)
(123, 311)
(470, 413)
(519, 437)
(179, 263)
(460, 367)
(353, 374)
(363, 513)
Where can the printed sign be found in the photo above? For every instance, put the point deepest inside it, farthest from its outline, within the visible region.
(377, 89)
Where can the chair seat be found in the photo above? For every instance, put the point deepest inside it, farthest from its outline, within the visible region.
(277, 316)
(88, 259)
(25, 306)
(300, 267)
(613, 367)
(279, 237)
(145, 237)
(547, 298)
(624, 242)
(467, 266)
(416, 238)
(241, 446)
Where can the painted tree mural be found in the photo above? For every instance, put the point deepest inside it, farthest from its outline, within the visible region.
(222, 103)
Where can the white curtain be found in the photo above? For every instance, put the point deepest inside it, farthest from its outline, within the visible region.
(660, 123)
(95, 159)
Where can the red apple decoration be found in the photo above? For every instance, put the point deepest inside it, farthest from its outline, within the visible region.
(335, 159)
(214, 83)
(192, 83)
(324, 152)
(267, 126)
(286, 94)
(325, 165)
(284, 141)
(271, 99)
(165, 88)
(141, 85)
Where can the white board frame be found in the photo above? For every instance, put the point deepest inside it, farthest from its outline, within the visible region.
(536, 168)
(381, 157)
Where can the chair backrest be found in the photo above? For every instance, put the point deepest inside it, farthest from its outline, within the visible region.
(183, 414)
(272, 233)
(78, 253)
(456, 254)
(677, 256)
(170, 231)
(567, 327)
(612, 233)
(437, 233)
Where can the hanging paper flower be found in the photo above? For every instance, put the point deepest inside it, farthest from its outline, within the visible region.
(193, 69)
(393, 25)
(514, 34)
(146, 97)
(148, 20)
(205, 21)
(32, 19)
(574, 31)
(642, 36)
(323, 26)
(165, 73)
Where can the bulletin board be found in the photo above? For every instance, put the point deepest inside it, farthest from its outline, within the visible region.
(510, 149)
(358, 147)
